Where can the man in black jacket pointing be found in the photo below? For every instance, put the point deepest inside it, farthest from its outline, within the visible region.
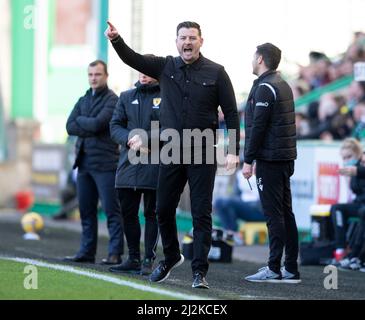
(270, 139)
(192, 89)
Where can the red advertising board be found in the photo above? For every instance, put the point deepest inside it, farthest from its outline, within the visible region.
(328, 183)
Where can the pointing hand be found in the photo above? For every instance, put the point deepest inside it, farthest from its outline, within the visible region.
(111, 33)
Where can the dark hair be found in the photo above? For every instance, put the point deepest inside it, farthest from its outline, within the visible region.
(97, 62)
(315, 56)
(189, 25)
(270, 54)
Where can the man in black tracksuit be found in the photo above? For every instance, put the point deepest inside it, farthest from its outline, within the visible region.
(96, 159)
(192, 89)
(136, 109)
(271, 140)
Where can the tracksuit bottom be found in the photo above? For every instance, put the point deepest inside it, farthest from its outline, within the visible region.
(130, 201)
(273, 181)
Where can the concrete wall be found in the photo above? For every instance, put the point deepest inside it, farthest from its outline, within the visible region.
(15, 174)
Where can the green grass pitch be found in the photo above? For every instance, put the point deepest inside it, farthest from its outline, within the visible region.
(60, 285)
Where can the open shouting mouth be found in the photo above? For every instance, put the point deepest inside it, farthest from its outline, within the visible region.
(188, 50)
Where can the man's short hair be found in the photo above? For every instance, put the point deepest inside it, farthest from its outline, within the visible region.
(316, 56)
(97, 62)
(270, 54)
(189, 25)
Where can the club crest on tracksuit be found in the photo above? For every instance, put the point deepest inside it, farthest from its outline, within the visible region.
(156, 103)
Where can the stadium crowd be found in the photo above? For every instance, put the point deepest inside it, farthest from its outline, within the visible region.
(335, 115)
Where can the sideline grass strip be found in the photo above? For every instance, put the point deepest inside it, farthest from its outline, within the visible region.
(60, 282)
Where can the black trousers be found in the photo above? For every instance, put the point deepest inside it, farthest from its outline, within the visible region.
(358, 249)
(171, 182)
(130, 200)
(340, 214)
(92, 185)
(273, 181)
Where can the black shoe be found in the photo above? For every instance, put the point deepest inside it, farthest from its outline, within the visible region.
(162, 272)
(199, 281)
(79, 259)
(147, 266)
(112, 260)
(129, 266)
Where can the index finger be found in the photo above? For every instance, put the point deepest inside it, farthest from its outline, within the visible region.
(111, 25)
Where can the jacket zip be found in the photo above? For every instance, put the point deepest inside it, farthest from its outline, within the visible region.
(139, 126)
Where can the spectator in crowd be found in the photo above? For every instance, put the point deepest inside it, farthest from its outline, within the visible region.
(351, 153)
(334, 120)
(355, 93)
(359, 118)
(342, 122)
(355, 260)
(320, 66)
(302, 125)
(300, 87)
(244, 205)
(312, 113)
(316, 74)
(356, 50)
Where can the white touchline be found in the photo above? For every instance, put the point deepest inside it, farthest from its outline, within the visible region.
(105, 278)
